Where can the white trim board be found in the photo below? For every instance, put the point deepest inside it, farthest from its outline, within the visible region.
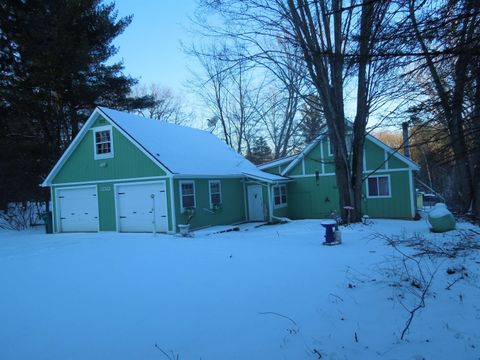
(381, 171)
(276, 162)
(110, 181)
(412, 193)
(172, 205)
(187, 176)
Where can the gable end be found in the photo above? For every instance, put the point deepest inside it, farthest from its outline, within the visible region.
(95, 120)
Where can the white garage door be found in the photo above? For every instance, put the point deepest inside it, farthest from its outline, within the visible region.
(141, 207)
(77, 209)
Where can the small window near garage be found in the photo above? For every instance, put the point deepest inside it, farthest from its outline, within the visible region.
(187, 194)
(280, 196)
(215, 193)
(103, 142)
(379, 186)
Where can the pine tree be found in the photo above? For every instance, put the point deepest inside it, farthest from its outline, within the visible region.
(260, 151)
(54, 71)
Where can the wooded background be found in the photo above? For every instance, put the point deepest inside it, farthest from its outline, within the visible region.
(271, 75)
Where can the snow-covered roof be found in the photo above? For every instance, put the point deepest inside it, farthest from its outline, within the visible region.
(184, 150)
(276, 162)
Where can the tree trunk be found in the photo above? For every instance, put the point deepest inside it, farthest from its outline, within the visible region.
(360, 124)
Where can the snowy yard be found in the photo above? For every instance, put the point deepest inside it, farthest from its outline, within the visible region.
(269, 293)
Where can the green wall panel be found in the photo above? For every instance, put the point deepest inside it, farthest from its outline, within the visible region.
(395, 163)
(374, 156)
(306, 199)
(233, 203)
(106, 206)
(272, 170)
(398, 205)
(313, 161)
(281, 212)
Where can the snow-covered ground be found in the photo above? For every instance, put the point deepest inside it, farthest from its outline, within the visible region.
(268, 293)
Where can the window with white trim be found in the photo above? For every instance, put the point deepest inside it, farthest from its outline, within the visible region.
(102, 137)
(378, 186)
(280, 196)
(215, 191)
(187, 194)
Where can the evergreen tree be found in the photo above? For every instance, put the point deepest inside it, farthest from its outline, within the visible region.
(54, 71)
(260, 151)
(312, 119)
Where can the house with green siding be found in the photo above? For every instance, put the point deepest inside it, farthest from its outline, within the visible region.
(127, 173)
(388, 186)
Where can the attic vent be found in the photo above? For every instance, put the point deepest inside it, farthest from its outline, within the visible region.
(101, 120)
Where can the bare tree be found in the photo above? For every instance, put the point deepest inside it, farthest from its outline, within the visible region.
(165, 106)
(280, 115)
(339, 45)
(447, 36)
(230, 87)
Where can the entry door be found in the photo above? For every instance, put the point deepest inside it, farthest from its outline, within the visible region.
(255, 203)
(77, 209)
(141, 207)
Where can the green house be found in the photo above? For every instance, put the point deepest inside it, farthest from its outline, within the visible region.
(127, 173)
(388, 191)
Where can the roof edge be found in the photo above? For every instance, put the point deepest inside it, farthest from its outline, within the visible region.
(276, 162)
(302, 154)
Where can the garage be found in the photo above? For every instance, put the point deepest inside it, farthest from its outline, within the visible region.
(141, 207)
(77, 209)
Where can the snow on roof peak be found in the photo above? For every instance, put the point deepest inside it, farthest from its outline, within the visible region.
(185, 150)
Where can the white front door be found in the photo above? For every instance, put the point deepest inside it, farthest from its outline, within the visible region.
(255, 203)
(77, 209)
(142, 207)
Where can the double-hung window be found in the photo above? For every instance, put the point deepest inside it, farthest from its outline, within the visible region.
(378, 186)
(103, 144)
(187, 194)
(215, 191)
(280, 196)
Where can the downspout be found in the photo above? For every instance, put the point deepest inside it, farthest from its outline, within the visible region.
(270, 204)
(172, 206)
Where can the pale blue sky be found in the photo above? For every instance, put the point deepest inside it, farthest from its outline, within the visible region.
(150, 46)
